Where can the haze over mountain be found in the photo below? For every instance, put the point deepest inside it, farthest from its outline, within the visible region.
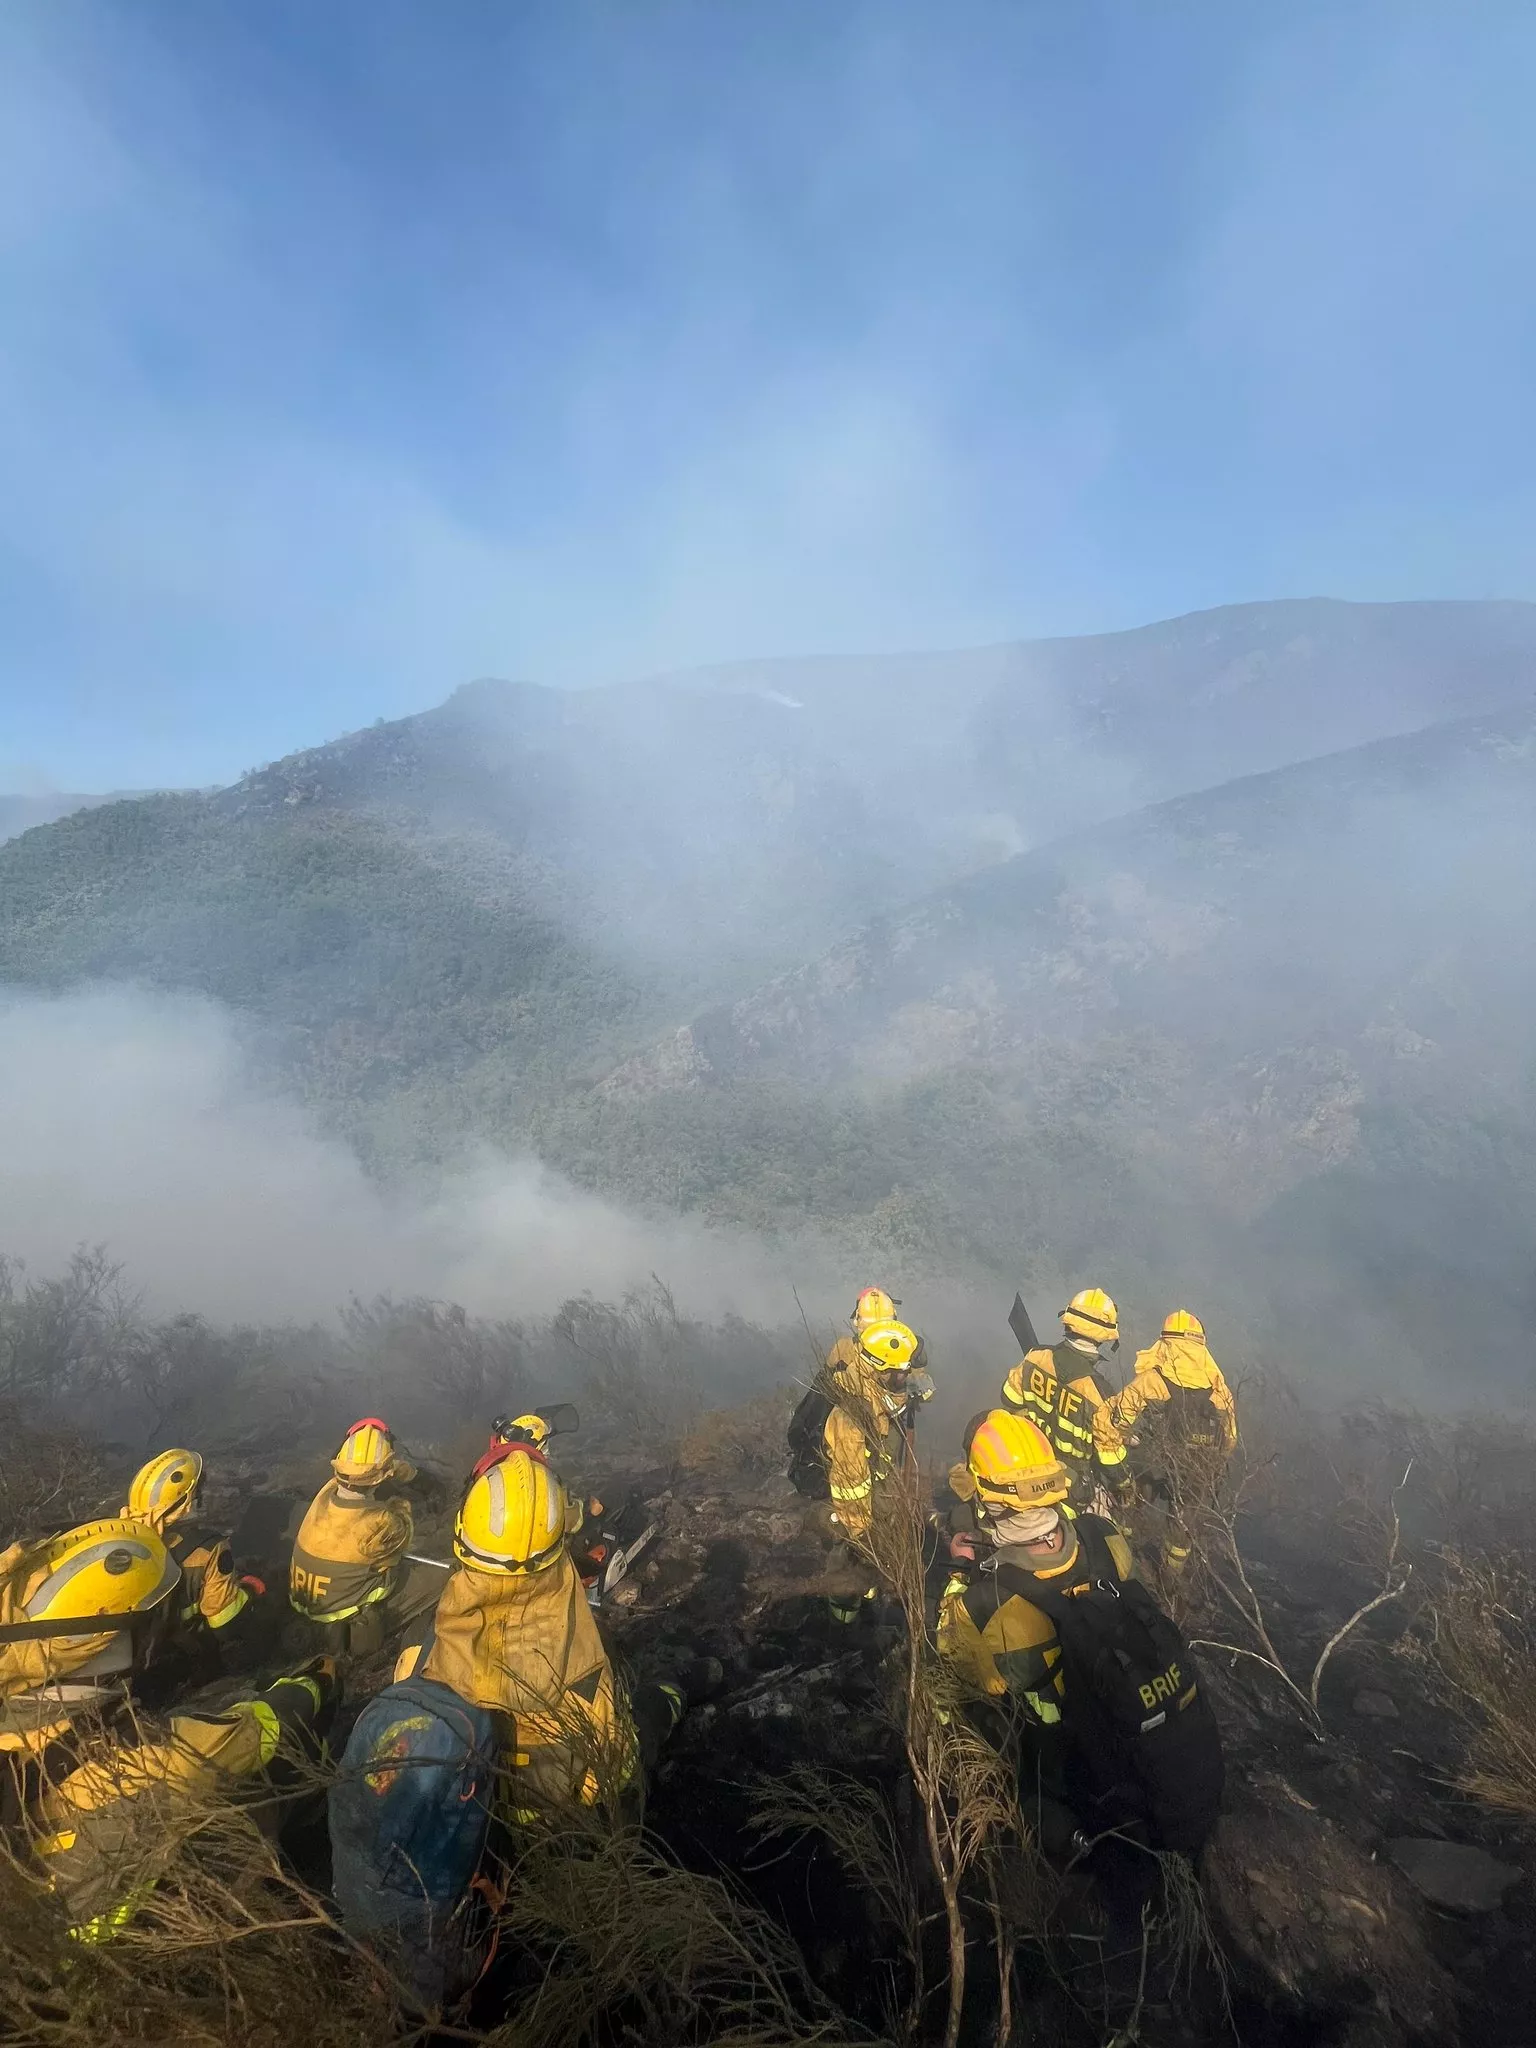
(1268, 1045)
(21, 813)
(1223, 1036)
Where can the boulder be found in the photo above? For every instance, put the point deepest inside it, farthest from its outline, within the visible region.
(1376, 1706)
(1316, 1928)
(1453, 1875)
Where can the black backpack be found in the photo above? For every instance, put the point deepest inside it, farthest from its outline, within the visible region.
(1139, 1716)
(807, 1444)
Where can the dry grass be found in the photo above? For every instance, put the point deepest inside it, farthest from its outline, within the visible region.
(229, 1951)
(966, 1792)
(1479, 1636)
(620, 1942)
(855, 1821)
(745, 1443)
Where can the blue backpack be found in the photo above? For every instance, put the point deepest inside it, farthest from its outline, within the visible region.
(409, 1813)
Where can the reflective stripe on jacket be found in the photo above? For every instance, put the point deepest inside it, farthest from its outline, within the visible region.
(210, 1592)
(1000, 1644)
(1058, 1393)
(102, 1831)
(348, 1554)
(863, 1441)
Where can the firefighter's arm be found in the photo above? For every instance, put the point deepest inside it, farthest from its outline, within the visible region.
(850, 1475)
(1020, 1644)
(391, 1538)
(1225, 1406)
(222, 1596)
(1131, 1403)
(1013, 1386)
(959, 1640)
(1108, 1443)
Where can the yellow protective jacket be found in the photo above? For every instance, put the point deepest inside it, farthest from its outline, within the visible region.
(348, 1554)
(24, 1667)
(527, 1645)
(863, 1442)
(1179, 1384)
(1056, 1391)
(103, 1830)
(210, 1594)
(1002, 1646)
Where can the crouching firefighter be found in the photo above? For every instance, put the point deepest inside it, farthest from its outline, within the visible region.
(1076, 1673)
(81, 1615)
(1057, 1388)
(1179, 1421)
(108, 1828)
(507, 1714)
(349, 1572)
(851, 1435)
(165, 1496)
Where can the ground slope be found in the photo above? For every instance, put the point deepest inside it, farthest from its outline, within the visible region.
(1278, 1030)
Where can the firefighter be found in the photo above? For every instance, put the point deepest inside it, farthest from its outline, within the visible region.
(1179, 1421)
(1058, 1390)
(865, 1440)
(164, 1496)
(349, 1567)
(513, 1632)
(1074, 1671)
(114, 1573)
(1179, 1389)
(872, 1307)
(104, 1830)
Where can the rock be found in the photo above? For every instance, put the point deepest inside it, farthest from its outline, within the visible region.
(1453, 1874)
(1311, 1924)
(625, 1594)
(1376, 1706)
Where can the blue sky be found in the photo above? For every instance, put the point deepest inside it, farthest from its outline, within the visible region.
(351, 350)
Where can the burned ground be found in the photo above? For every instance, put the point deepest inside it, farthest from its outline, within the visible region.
(1333, 1916)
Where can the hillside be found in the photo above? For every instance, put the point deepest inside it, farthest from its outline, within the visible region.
(1268, 1044)
(490, 904)
(21, 813)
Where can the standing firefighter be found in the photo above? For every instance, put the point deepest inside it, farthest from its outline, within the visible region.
(1076, 1672)
(1180, 1421)
(851, 1434)
(872, 1307)
(164, 1496)
(349, 1557)
(1057, 1389)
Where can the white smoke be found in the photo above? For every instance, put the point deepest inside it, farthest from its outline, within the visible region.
(130, 1119)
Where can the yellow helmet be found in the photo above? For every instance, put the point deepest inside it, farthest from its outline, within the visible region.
(873, 1306)
(164, 1489)
(1092, 1314)
(513, 1518)
(367, 1454)
(1182, 1324)
(524, 1429)
(888, 1347)
(112, 1567)
(1012, 1463)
